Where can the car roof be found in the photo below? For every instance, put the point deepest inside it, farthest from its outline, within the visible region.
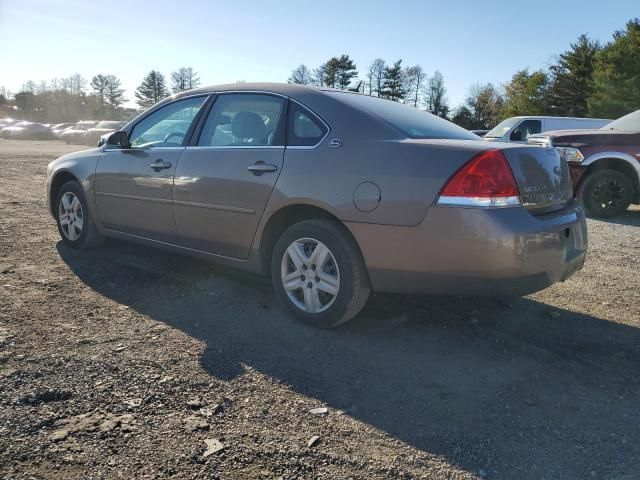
(287, 89)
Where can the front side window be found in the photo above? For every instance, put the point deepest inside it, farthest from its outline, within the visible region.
(167, 126)
(304, 128)
(527, 128)
(244, 120)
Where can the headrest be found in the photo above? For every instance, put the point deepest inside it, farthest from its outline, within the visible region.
(247, 125)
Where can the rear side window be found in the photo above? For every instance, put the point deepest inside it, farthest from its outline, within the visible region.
(304, 128)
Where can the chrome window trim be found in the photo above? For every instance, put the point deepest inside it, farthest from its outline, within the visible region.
(141, 149)
(233, 147)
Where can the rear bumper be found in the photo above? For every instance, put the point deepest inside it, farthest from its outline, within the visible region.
(473, 251)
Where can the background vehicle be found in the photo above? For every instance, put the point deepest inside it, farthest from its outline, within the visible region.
(92, 136)
(27, 131)
(58, 128)
(6, 122)
(295, 182)
(518, 129)
(604, 163)
(78, 133)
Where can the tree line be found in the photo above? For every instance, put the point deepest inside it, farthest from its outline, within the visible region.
(589, 79)
(74, 98)
(409, 84)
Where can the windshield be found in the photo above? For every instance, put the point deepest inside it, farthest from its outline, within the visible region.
(503, 127)
(629, 123)
(411, 121)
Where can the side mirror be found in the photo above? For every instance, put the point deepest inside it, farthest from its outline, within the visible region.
(516, 136)
(119, 139)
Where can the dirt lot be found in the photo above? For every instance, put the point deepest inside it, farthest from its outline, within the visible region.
(122, 362)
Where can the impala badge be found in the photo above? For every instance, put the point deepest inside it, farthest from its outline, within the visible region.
(335, 143)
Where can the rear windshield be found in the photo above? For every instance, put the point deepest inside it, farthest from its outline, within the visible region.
(411, 121)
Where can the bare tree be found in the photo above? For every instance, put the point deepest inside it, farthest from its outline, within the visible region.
(414, 84)
(436, 98)
(77, 84)
(184, 79)
(301, 75)
(376, 76)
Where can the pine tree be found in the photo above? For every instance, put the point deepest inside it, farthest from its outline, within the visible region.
(572, 79)
(152, 89)
(346, 71)
(114, 93)
(393, 85)
(617, 75)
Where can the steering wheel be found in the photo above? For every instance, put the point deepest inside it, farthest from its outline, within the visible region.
(171, 135)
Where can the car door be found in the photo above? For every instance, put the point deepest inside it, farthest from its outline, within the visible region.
(223, 181)
(134, 186)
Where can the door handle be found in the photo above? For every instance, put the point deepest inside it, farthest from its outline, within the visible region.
(160, 165)
(260, 167)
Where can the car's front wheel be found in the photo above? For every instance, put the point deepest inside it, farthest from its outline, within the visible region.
(605, 193)
(319, 274)
(73, 217)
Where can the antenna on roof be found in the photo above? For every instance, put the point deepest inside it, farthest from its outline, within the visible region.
(356, 88)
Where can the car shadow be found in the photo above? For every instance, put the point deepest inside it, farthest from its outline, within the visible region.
(628, 217)
(516, 388)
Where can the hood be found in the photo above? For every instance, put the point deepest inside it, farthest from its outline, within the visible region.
(594, 137)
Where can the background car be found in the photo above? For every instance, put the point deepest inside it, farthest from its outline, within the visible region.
(604, 163)
(27, 131)
(6, 122)
(332, 193)
(77, 134)
(93, 135)
(519, 129)
(58, 128)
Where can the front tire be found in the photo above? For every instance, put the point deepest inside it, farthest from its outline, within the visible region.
(319, 274)
(605, 193)
(75, 224)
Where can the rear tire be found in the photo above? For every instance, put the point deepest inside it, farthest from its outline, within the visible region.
(327, 280)
(75, 224)
(605, 193)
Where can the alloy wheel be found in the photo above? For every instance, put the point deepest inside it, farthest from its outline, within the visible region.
(310, 275)
(608, 194)
(70, 216)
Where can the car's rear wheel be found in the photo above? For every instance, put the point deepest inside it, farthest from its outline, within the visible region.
(73, 217)
(319, 274)
(605, 193)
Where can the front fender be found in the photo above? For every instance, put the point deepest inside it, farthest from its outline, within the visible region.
(78, 166)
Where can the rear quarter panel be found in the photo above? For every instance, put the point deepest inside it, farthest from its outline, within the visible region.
(408, 173)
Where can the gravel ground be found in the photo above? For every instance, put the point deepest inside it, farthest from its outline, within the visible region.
(127, 362)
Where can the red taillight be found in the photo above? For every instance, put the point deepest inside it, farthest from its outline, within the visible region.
(484, 180)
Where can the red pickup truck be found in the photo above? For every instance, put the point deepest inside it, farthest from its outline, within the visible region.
(604, 163)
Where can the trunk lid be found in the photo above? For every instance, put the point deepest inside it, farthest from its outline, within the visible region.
(543, 178)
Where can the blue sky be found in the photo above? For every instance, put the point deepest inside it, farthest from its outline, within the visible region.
(468, 41)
